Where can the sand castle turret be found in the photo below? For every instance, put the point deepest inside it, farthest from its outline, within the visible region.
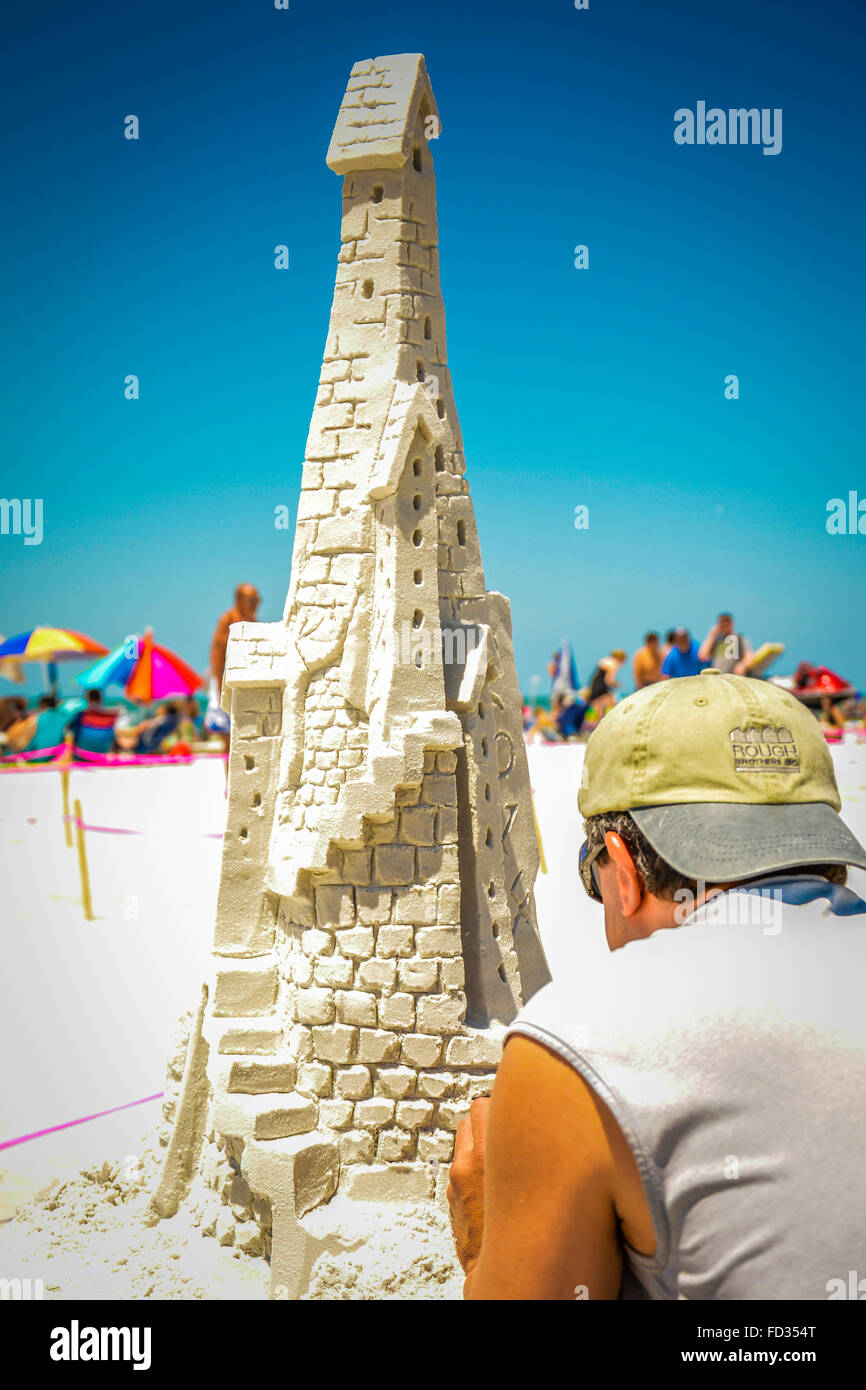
(375, 927)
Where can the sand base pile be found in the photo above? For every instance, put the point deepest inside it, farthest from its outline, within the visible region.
(95, 1237)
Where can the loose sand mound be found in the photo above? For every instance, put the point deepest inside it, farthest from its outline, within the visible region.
(93, 1238)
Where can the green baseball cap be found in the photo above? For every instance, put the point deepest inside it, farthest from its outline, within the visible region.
(726, 776)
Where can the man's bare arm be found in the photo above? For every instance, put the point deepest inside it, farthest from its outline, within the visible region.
(544, 1215)
(705, 650)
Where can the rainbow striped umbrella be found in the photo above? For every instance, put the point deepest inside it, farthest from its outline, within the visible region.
(144, 670)
(50, 645)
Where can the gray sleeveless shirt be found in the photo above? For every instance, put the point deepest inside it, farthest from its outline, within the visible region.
(732, 1052)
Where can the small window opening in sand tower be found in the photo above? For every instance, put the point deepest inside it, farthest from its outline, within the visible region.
(257, 799)
(491, 889)
(428, 327)
(439, 459)
(488, 838)
(249, 763)
(417, 538)
(417, 618)
(367, 289)
(243, 834)
(416, 502)
(416, 467)
(485, 748)
(378, 192)
(502, 975)
(420, 370)
(486, 791)
(461, 532)
(419, 660)
(418, 577)
(440, 408)
(416, 158)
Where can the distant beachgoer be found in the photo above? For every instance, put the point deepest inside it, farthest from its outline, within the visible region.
(570, 714)
(154, 732)
(151, 735)
(13, 710)
(185, 734)
(647, 664)
(246, 605)
(39, 728)
(190, 720)
(834, 711)
(668, 643)
(92, 728)
(603, 683)
(683, 658)
(545, 727)
(726, 650)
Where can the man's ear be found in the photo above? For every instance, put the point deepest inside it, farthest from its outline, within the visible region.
(628, 880)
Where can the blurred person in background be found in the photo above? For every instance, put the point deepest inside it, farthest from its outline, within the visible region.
(683, 658)
(92, 728)
(246, 604)
(603, 683)
(726, 650)
(647, 664)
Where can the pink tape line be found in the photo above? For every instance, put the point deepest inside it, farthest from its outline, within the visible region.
(118, 830)
(109, 759)
(37, 1134)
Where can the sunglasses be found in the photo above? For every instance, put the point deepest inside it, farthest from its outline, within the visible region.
(588, 871)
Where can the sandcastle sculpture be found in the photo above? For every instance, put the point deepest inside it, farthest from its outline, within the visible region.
(375, 927)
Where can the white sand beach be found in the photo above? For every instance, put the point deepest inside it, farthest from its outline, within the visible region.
(88, 1011)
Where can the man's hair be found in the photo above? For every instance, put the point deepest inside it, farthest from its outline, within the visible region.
(670, 634)
(650, 635)
(726, 615)
(658, 876)
(94, 696)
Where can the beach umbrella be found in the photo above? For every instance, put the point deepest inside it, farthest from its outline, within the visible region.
(564, 672)
(10, 669)
(50, 645)
(144, 670)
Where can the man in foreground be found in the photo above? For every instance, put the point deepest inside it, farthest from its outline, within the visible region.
(688, 1121)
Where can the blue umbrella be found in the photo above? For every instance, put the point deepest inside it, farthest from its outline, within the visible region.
(114, 669)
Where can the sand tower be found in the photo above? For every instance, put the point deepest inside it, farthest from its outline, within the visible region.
(376, 925)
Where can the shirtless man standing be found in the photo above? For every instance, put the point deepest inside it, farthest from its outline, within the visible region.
(247, 600)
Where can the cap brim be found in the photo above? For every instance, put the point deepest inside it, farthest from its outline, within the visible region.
(722, 842)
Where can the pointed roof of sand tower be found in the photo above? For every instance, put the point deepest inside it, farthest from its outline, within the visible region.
(379, 112)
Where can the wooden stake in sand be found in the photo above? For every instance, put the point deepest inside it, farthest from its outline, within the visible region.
(82, 865)
(67, 819)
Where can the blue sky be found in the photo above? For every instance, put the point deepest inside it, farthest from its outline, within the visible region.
(602, 387)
